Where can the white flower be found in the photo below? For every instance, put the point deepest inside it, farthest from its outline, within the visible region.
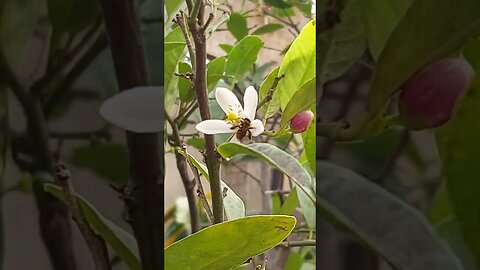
(236, 115)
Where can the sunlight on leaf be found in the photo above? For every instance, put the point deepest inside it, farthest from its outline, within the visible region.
(229, 244)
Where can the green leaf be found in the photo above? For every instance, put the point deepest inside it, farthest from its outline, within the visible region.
(171, 6)
(380, 18)
(429, 30)
(173, 45)
(300, 101)
(234, 206)
(226, 47)
(381, 221)
(17, 23)
(171, 60)
(229, 244)
(449, 230)
(109, 161)
(459, 149)
(271, 107)
(310, 145)
(342, 46)
(215, 70)
(237, 25)
(298, 64)
(243, 55)
(72, 15)
(286, 164)
(290, 203)
(119, 240)
(185, 87)
(267, 28)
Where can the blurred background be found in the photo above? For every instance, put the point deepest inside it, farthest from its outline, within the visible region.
(65, 39)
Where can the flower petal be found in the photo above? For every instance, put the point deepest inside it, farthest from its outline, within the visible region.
(213, 127)
(250, 101)
(228, 101)
(258, 127)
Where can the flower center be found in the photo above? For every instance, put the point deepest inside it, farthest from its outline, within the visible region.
(232, 118)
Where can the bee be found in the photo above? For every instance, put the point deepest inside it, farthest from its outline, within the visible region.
(243, 129)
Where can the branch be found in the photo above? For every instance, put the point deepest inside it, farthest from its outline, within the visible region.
(126, 44)
(188, 184)
(200, 191)
(212, 158)
(96, 245)
(301, 243)
(270, 92)
(54, 226)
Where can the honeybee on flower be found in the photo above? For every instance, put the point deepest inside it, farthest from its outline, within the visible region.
(239, 120)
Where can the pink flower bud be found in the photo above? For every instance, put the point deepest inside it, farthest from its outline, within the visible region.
(429, 97)
(301, 120)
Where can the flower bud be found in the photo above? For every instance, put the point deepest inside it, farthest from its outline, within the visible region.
(301, 120)
(428, 98)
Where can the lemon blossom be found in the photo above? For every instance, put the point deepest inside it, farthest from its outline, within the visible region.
(234, 113)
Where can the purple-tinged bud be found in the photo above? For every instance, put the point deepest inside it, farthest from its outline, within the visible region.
(429, 97)
(301, 120)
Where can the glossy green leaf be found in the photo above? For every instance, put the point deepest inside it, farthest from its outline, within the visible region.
(138, 109)
(234, 206)
(237, 25)
(298, 64)
(243, 55)
(380, 220)
(94, 157)
(171, 60)
(284, 162)
(168, 46)
(459, 149)
(428, 31)
(342, 46)
(119, 240)
(273, 106)
(300, 101)
(215, 70)
(380, 18)
(229, 244)
(267, 28)
(449, 230)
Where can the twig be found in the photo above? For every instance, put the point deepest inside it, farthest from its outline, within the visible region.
(188, 184)
(270, 92)
(301, 243)
(96, 245)
(54, 71)
(83, 63)
(180, 20)
(200, 191)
